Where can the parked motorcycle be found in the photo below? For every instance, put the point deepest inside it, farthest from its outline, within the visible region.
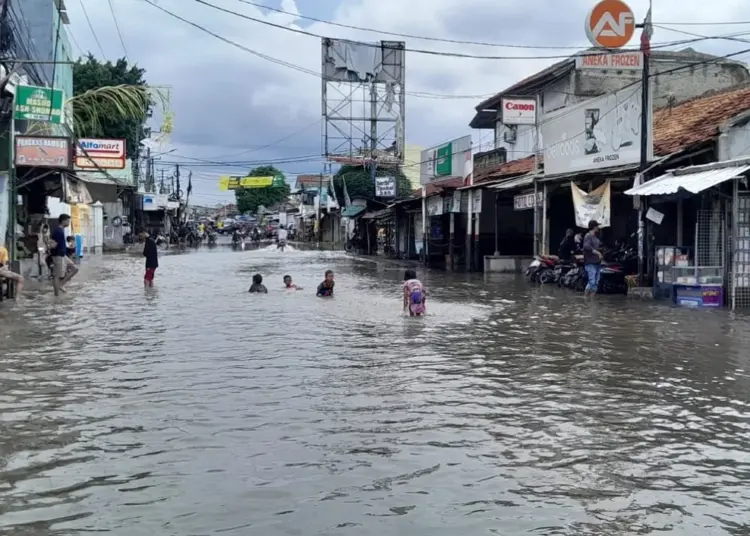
(541, 268)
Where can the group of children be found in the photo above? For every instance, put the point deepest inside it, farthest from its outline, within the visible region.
(414, 293)
(325, 289)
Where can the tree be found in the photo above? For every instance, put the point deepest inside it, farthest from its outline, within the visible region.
(249, 199)
(359, 181)
(114, 114)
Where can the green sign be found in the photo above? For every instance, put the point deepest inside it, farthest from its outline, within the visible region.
(444, 160)
(39, 104)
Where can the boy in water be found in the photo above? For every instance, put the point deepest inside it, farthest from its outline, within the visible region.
(289, 285)
(258, 285)
(325, 289)
(414, 294)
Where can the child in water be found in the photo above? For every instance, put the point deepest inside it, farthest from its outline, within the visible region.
(414, 294)
(289, 285)
(258, 285)
(325, 289)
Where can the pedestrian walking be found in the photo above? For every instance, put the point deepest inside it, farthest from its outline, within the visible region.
(592, 258)
(64, 267)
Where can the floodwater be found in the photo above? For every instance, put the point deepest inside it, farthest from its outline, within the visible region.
(196, 408)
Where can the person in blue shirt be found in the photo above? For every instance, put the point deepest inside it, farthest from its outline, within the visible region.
(64, 267)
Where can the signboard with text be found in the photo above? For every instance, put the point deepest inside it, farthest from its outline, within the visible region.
(610, 24)
(227, 183)
(100, 153)
(519, 111)
(526, 201)
(43, 151)
(34, 103)
(385, 186)
(597, 133)
(612, 61)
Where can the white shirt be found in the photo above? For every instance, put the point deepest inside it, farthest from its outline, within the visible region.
(281, 234)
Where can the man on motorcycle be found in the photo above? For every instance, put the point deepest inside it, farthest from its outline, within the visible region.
(281, 236)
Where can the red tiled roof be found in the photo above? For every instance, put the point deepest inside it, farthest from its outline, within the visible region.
(509, 169)
(698, 120)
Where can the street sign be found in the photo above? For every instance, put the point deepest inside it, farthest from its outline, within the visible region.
(610, 24)
(34, 103)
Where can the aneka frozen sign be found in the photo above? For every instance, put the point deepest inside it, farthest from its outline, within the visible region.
(104, 154)
(595, 134)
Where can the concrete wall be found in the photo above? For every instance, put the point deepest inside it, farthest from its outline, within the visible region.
(737, 142)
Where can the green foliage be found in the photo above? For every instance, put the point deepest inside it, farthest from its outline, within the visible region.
(249, 199)
(111, 100)
(359, 182)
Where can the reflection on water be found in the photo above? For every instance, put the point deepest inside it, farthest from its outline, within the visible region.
(196, 408)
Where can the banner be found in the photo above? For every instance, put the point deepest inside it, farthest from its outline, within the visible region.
(385, 186)
(235, 183)
(591, 206)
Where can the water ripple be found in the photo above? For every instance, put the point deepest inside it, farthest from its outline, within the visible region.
(195, 408)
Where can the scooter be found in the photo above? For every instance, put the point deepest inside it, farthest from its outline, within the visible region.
(281, 244)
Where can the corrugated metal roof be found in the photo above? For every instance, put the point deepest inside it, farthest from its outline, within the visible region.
(518, 182)
(691, 182)
(352, 211)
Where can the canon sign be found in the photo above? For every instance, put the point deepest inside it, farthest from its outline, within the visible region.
(519, 111)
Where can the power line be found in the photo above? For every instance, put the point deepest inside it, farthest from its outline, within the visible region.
(377, 45)
(250, 50)
(117, 26)
(413, 36)
(91, 27)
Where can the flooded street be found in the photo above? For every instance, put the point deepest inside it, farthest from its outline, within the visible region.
(196, 408)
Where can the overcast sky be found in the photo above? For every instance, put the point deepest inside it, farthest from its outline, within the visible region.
(230, 105)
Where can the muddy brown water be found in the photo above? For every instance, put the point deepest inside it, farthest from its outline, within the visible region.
(198, 409)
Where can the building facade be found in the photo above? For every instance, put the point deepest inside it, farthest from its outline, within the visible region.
(42, 29)
(563, 84)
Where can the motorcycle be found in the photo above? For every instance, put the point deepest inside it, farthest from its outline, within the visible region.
(281, 244)
(540, 269)
(161, 241)
(211, 238)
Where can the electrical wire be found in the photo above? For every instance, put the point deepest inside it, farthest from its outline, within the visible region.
(423, 37)
(117, 26)
(91, 27)
(378, 45)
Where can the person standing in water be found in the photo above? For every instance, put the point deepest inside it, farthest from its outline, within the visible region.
(325, 289)
(415, 295)
(151, 252)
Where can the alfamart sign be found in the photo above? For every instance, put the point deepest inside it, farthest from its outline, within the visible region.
(100, 154)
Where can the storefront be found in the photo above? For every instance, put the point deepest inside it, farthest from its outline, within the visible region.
(699, 217)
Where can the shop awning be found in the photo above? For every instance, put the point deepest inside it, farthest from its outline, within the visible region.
(683, 179)
(352, 211)
(378, 214)
(517, 182)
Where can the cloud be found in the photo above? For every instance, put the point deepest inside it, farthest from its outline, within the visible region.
(227, 100)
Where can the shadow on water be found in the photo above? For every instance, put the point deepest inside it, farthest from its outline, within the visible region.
(197, 408)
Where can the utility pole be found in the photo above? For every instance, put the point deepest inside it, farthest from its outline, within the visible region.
(161, 184)
(645, 126)
(320, 201)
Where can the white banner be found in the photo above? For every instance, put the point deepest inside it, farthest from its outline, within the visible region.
(526, 201)
(591, 206)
